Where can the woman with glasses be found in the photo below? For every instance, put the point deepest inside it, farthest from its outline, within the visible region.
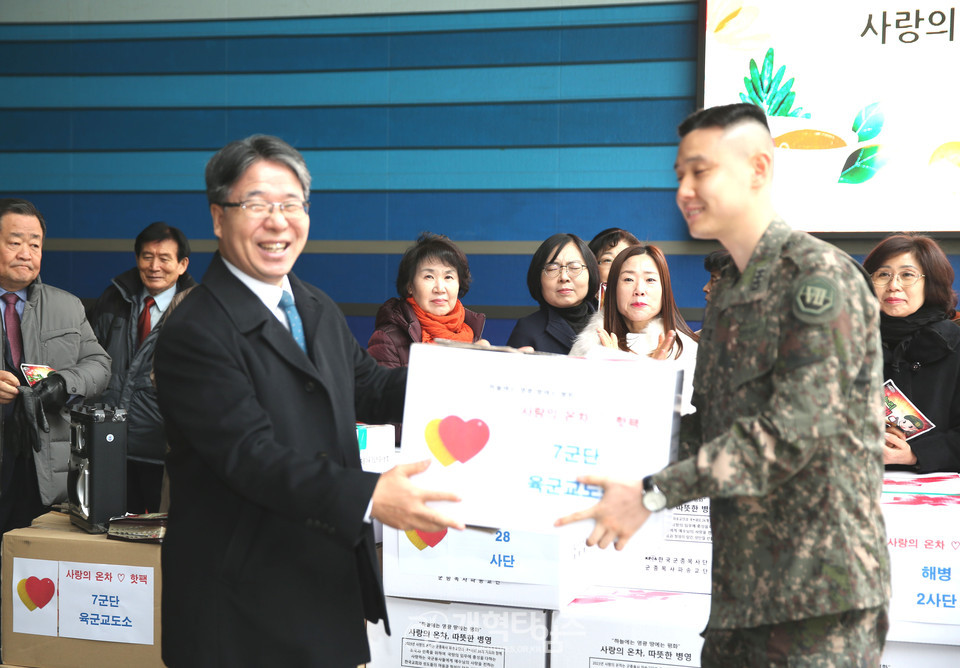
(641, 316)
(562, 276)
(433, 275)
(921, 346)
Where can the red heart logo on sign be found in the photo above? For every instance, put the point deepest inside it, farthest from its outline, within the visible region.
(40, 591)
(463, 439)
(956, 544)
(431, 538)
(422, 539)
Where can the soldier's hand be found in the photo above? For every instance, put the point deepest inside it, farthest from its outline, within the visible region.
(617, 516)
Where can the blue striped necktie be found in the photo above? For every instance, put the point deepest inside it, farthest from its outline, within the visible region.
(296, 325)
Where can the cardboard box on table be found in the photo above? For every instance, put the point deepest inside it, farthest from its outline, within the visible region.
(672, 552)
(629, 628)
(77, 600)
(922, 515)
(511, 436)
(435, 634)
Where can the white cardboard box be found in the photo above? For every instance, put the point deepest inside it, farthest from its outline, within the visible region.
(377, 450)
(629, 628)
(671, 552)
(432, 634)
(922, 515)
(500, 567)
(919, 655)
(377, 446)
(513, 442)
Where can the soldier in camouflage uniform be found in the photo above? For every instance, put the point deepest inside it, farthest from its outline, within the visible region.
(788, 435)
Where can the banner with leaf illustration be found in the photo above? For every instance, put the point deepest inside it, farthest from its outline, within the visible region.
(861, 99)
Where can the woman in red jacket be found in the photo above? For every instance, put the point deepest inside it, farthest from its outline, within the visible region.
(433, 275)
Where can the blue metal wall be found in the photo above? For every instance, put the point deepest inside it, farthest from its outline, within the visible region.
(487, 126)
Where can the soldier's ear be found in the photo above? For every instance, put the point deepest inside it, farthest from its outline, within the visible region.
(761, 165)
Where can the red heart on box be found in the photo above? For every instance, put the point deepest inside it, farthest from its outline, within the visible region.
(431, 538)
(40, 591)
(463, 439)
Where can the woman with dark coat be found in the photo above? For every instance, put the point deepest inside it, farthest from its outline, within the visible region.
(433, 275)
(921, 347)
(562, 277)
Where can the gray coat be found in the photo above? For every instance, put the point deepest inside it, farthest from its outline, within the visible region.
(56, 333)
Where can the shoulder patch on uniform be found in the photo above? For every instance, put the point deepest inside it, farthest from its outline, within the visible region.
(815, 299)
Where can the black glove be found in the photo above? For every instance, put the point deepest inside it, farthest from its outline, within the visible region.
(29, 419)
(52, 392)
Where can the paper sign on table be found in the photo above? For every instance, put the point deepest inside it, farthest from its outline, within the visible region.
(91, 601)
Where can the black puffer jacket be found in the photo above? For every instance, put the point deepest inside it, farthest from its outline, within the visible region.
(927, 371)
(114, 321)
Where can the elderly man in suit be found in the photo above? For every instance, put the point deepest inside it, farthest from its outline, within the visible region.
(269, 557)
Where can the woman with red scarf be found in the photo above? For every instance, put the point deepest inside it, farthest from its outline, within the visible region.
(432, 277)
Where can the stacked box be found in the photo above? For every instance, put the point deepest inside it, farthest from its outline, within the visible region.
(629, 628)
(922, 515)
(377, 446)
(513, 444)
(673, 551)
(433, 634)
(913, 655)
(495, 567)
(377, 449)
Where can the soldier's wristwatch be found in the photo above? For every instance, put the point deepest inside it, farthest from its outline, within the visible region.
(653, 499)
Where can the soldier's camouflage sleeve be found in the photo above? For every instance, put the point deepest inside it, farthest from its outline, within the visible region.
(779, 373)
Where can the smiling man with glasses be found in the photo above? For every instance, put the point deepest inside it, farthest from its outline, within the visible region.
(269, 557)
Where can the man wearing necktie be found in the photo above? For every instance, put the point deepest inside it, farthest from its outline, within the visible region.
(126, 320)
(269, 555)
(42, 325)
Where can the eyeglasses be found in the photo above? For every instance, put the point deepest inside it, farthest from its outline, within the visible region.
(258, 208)
(907, 277)
(574, 269)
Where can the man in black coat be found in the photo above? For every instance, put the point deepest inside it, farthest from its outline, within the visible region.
(126, 321)
(269, 557)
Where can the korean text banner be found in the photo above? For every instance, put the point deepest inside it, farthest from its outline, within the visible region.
(862, 103)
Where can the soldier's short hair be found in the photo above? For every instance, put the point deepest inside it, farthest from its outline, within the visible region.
(723, 116)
